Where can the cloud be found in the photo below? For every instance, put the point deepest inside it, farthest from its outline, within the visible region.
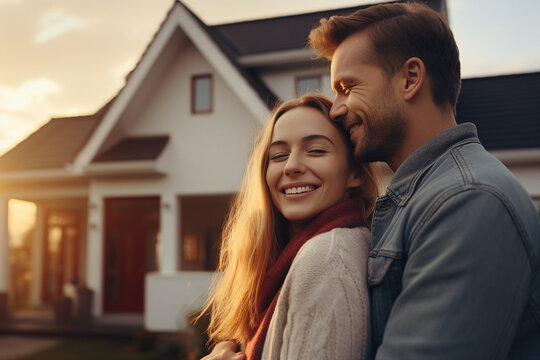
(24, 108)
(55, 23)
(30, 93)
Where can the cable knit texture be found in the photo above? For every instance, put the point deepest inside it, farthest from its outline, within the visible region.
(323, 309)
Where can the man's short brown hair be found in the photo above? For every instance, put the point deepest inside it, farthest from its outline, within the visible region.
(398, 32)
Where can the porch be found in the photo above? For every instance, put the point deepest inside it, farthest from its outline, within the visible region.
(43, 322)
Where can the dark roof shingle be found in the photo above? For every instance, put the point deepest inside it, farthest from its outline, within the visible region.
(135, 149)
(285, 32)
(505, 109)
(53, 146)
(274, 34)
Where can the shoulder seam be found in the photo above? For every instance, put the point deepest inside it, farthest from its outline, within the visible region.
(463, 167)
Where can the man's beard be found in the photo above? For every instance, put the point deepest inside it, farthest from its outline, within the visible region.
(383, 136)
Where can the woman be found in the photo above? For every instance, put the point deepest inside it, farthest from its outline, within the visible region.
(279, 294)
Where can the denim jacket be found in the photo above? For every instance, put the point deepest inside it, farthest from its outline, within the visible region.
(454, 269)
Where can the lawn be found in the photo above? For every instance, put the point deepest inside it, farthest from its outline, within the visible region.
(92, 349)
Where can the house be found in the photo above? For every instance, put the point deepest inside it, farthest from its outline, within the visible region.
(131, 200)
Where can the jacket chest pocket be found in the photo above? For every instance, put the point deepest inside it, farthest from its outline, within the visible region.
(385, 273)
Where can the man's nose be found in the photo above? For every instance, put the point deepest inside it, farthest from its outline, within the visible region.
(338, 110)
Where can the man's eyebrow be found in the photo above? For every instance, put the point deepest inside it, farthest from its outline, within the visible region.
(339, 81)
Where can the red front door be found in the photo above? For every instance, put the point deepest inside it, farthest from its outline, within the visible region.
(131, 232)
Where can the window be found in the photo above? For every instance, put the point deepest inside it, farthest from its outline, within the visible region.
(201, 220)
(201, 94)
(306, 84)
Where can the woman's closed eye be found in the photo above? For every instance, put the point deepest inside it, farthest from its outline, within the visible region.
(317, 151)
(278, 156)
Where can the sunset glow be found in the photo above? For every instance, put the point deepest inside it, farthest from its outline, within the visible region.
(21, 219)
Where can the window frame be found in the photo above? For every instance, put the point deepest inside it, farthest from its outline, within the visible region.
(301, 77)
(194, 79)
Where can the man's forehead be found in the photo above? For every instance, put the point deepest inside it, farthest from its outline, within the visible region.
(351, 54)
(356, 48)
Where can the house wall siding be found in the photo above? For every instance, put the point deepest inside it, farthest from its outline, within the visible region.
(201, 145)
(282, 80)
(528, 176)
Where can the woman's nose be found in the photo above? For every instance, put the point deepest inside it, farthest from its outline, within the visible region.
(294, 165)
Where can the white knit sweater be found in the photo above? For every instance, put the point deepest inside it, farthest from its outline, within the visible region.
(323, 309)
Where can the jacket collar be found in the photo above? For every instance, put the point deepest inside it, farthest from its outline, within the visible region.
(403, 183)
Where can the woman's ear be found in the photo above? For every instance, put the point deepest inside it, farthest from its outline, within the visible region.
(354, 180)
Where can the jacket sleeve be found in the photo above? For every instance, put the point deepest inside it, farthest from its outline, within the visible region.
(465, 282)
(323, 309)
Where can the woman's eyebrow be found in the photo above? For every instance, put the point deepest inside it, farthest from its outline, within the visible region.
(317, 137)
(278, 142)
(304, 139)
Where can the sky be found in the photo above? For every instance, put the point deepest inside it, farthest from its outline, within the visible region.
(69, 57)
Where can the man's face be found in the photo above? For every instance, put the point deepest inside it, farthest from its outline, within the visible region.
(366, 103)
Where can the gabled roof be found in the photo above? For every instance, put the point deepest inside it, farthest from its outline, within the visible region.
(505, 109)
(266, 95)
(247, 88)
(54, 145)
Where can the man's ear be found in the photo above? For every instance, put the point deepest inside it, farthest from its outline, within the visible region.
(413, 77)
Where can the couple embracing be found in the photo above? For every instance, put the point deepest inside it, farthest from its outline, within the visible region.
(322, 258)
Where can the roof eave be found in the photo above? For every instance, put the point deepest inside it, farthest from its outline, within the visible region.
(518, 156)
(40, 175)
(277, 58)
(124, 168)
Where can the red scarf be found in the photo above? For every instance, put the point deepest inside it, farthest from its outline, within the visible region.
(347, 214)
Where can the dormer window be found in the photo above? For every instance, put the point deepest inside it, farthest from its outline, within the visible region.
(201, 94)
(307, 84)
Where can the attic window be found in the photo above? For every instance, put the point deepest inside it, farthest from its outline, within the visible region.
(201, 94)
(306, 84)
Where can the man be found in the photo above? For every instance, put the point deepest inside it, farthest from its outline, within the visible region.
(454, 269)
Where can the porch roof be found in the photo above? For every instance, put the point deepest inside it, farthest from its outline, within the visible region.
(135, 149)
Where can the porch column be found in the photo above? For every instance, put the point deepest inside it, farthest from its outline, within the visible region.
(4, 258)
(94, 252)
(37, 257)
(169, 234)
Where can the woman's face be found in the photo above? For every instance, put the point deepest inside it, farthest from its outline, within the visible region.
(308, 169)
